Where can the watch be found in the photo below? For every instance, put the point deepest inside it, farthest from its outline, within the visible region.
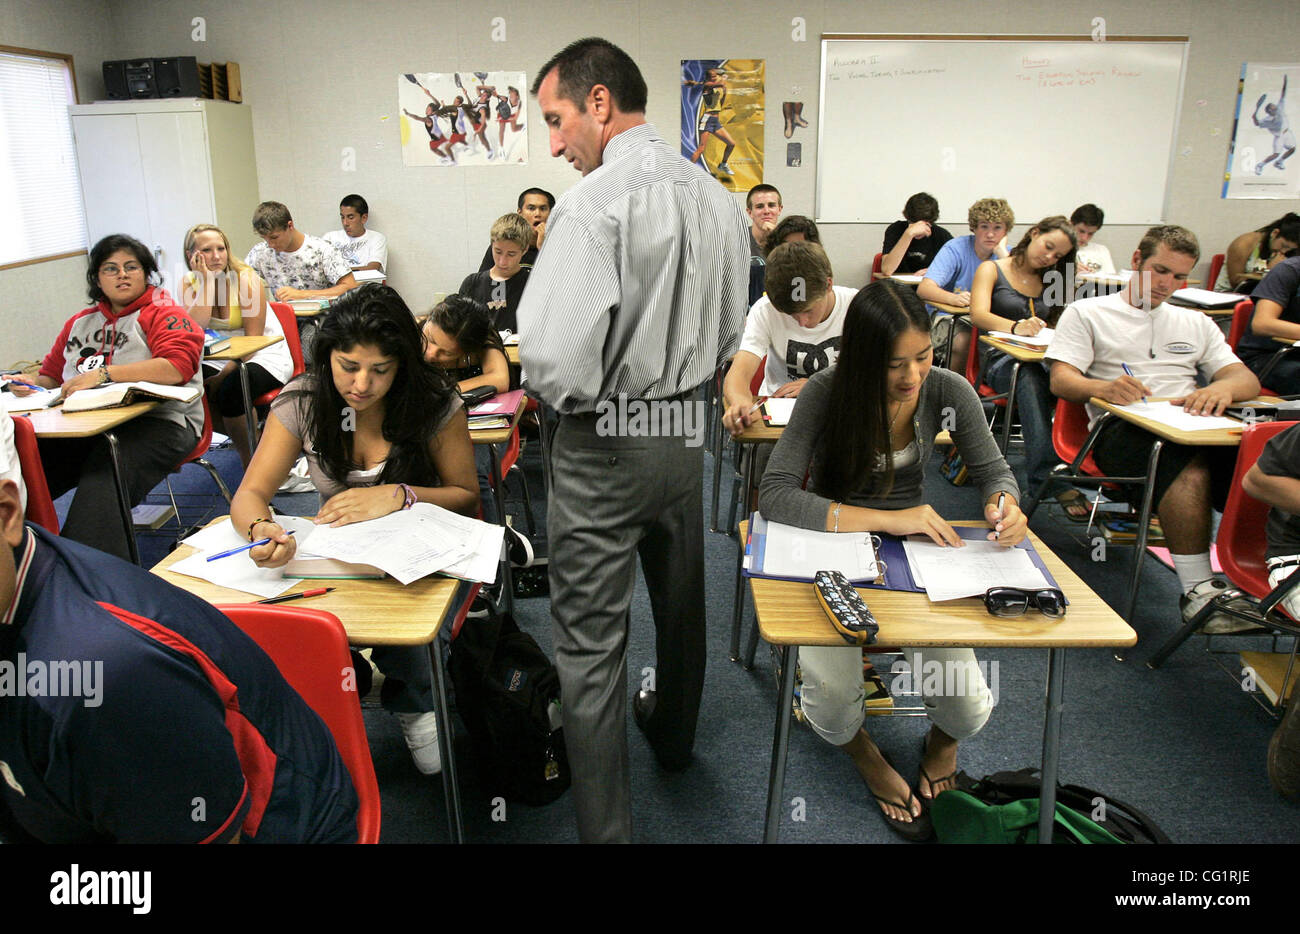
(107, 379)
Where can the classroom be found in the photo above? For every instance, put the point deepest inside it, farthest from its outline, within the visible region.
(320, 81)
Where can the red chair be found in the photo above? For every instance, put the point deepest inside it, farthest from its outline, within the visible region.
(40, 507)
(310, 648)
(877, 271)
(1001, 400)
(289, 325)
(510, 465)
(1241, 548)
(1240, 321)
(1216, 266)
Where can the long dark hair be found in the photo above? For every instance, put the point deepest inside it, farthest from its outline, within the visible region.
(374, 315)
(1057, 275)
(468, 322)
(1287, 227)
(855, 437)
(105, 248)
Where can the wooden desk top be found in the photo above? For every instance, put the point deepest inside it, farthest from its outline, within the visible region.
(1286, 340)
(759, 432)
(55, 423)
(950, 309)
(242, 347)
(789, 614)
(1256, 276)
(1219, 437)
(374, 612)
(512, 354)
(500, 435)
(1014, 351)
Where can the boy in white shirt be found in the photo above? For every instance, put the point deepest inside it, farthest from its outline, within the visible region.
(1092, 258)
(362, 248)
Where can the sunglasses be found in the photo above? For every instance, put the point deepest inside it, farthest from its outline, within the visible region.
(1012, 601)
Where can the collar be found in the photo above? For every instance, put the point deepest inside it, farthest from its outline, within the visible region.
(151, 295)
(24, 558)
(627, 141)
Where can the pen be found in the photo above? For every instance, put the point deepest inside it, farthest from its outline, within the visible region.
(235, 551)
(1130, 373)
(319, 591)
(1001, 499)
(23, 382)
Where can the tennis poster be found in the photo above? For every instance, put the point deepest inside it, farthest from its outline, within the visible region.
(463, 118)
(1262, 159)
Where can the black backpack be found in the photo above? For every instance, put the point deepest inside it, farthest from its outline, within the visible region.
(504, 686)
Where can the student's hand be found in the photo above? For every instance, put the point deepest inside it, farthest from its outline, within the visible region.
(286, 294)
(19, 390)
(960, 299)
(790, 389)
(767, 228)
(1028, 327)
(276, 553)
(83, 381)
(540, 228)
(917, 230)
(921, 520)
(738, 417)
(1009, 526)
(1211, 400)
(360, 504)
(1124, 390)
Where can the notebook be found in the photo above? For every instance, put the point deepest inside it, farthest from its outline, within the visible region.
(777, 412)
(115, 394)
(783, 552)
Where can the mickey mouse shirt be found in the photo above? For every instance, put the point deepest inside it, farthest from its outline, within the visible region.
(153, 326)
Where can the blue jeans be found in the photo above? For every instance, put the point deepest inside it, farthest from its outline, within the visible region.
(1035, 405)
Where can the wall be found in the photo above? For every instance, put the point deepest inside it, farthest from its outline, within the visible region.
(321, 78)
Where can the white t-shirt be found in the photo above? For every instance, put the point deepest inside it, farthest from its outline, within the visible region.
(313, 266)
(10, 468)
(794, 352)
(370, 247)
(1094, 258)
(1165, 348)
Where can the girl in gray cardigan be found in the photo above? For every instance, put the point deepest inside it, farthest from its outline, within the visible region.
(862, 432)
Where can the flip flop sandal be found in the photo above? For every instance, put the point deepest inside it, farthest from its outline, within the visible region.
(919, 829)
(1072, 498)
(926, 775)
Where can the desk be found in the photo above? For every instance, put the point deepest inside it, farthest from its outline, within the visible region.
(373, 612)
(790, 616)
(492, 437)
(512, 354)
(758, 432)
(1019, 355)
(957, 311)
(241, 348)
(55, 423)
(309, 307)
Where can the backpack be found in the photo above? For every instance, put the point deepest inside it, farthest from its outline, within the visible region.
(1003, 808)
(505, 689)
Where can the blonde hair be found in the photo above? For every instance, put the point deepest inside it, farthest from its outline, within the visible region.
(991, 211)
(237, 272)
(512, 227)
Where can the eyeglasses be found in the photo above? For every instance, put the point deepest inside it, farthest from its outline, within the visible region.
(1012, 601)
(112, 269)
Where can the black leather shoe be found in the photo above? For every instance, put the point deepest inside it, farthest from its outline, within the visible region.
(643, 708)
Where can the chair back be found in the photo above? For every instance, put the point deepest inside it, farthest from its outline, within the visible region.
(876, 267)
(1069, 432)
(1216, 265)
(756, 383)
(205, 437)
(973, 357)
(40, 506)
(310, 648)
(289, 324)
(1241, 541)
(1241, 315)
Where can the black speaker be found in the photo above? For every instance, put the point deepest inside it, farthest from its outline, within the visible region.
(115, 80)
(152, 77)
(176, 77)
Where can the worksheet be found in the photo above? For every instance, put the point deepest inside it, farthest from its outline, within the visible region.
(950, 573)
(1175, 417)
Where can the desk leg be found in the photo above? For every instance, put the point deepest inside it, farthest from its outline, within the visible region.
(1051, 743)
(123, 499)
(1140, 546)
(499, 493)
(780, 744)
(446, 745)
(738, 605)
(1010, 407)
(250, 416)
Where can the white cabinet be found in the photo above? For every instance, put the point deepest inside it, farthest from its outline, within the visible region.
(154, 169)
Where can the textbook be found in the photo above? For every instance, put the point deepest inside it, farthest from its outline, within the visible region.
(214, 342)
(115, 394)
(1204, 298)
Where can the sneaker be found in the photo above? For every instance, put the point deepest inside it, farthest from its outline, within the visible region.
(1218, 623)
(724, 169)
(481, 608)
(519, 549)
(298, 480)
(1284, 753)
(421, 732)
(1259, 168)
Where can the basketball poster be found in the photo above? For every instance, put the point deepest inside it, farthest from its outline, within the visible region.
(463, 118)
(723, 118)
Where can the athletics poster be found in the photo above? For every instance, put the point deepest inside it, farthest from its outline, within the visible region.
(463, 118)
(1262, 160)
(722, 119)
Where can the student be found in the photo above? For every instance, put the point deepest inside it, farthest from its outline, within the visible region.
(179, 708)
(1276, 314)
(1023, 293)
(948, 279)
(221, 293)
(1275, 479)
(295, 265)
(911, 244)
(134, 331)
(535, 205)
(1166, 348)
(11, 467)
(501, 287)
(1258, 251)
(361, 247)
(793, 227)
(381, 430)
(1091, 257)
(799, 336)
(862, 433)
(763, 205)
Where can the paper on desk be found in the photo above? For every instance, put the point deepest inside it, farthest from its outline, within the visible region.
(40, 399)
(1041, 339)
(909, 278)
(950, 573)
(778, 411)
(1175, 417)
(238, 572)
(223, 536)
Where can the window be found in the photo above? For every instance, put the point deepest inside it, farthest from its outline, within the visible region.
(39, 187)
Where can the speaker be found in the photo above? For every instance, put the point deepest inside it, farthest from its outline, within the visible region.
(115, 80)
(151, 77)
(176, 77)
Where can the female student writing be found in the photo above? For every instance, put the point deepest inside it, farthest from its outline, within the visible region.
(134, 331)
(222, 293)
(1022, 293)
(381, 430)
(862, 432)
(1258, 251)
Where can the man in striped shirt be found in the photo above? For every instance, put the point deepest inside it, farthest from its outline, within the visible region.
(639, 296)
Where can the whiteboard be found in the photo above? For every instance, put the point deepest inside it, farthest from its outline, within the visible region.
(1046, 122)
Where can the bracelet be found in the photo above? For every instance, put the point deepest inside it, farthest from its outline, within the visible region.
(837, 516)
(107, 379)
(409, 494)
(254, 524)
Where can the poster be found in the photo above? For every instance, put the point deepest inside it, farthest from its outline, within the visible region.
(722, 119)
(1262, 159)
(463, 118)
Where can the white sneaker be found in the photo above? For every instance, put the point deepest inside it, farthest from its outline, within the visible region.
(421, 732)
(1218, 623)
(298, 480)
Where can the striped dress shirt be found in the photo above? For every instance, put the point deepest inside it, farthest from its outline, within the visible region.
(641, 287)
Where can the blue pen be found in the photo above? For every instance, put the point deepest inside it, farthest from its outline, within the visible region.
(1130, 373)
(235, 551)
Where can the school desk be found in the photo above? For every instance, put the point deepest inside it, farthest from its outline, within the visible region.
(789, 616)
(1020, 355)
(241, 349)
(373, 612)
